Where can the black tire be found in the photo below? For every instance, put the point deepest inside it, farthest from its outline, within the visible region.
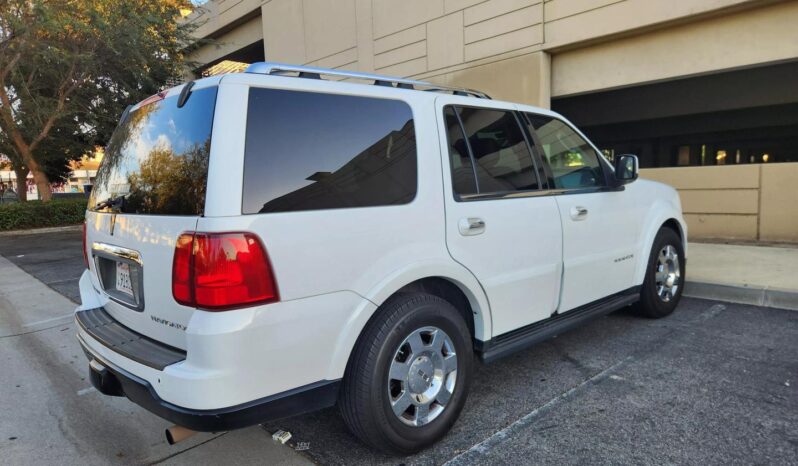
(364, 399)
(651, 304)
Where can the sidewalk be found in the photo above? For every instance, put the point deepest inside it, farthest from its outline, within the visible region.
(760, 275)
(52, 415)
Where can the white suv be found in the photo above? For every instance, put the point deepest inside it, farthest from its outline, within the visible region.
(269, 243)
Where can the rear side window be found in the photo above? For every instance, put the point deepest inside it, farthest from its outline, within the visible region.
(463, 176)
(494, 150)
(156, 162)
(311, 151)
(573, 162)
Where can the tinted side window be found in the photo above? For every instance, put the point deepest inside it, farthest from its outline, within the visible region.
(501, 156)
(309, 151)
(572, 160)
(463, 181)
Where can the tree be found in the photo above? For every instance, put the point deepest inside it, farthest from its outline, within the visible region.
(68, 68)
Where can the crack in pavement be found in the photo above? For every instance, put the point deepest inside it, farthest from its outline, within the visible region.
(34, 331)
(159, 461)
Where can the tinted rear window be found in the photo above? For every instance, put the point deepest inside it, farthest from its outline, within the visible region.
(310, 151)
(157, 159)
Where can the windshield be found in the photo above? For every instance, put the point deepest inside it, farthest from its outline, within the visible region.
(157, 160)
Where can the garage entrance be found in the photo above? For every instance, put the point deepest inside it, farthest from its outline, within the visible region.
(737, 117)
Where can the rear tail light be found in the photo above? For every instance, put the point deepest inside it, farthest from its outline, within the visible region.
(222, 271)
(85, 253)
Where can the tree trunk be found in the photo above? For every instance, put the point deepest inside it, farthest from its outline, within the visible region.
(22, 183)
(42, 185)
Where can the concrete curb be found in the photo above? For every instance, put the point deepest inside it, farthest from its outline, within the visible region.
(35, 231)
(758, 296)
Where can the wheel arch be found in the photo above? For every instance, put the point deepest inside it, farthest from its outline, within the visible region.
(449, 291)
(443, 279)
(661, 217)
(448, 281)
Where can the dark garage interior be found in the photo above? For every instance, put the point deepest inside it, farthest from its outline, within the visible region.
(736, 117)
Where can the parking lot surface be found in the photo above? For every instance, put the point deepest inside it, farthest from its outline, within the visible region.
(714, 383)
(53, 258)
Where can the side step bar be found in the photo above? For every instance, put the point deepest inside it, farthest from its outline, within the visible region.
(524, 337)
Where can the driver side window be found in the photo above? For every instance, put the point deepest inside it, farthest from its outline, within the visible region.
(573, 162)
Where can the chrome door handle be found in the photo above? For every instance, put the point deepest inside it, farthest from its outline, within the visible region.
(471, 226)
(578, 212)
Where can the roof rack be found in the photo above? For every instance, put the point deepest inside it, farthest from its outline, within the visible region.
(312, 72)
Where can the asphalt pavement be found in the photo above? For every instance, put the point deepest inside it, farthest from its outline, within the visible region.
(715, 383)
(54, 258)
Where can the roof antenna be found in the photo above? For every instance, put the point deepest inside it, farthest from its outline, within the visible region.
(185, 93)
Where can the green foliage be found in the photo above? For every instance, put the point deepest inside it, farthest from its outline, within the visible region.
(68, 68)
(37, 214)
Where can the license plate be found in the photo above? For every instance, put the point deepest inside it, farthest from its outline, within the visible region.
(123, 282)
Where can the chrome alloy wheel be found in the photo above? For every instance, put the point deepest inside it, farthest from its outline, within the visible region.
(667, 273)
(422, 376)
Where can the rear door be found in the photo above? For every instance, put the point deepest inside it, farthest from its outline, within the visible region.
(600, 225)
(150, 188)
(500, 224)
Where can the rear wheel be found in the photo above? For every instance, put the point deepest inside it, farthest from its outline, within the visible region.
(409, 375)
(664, 280)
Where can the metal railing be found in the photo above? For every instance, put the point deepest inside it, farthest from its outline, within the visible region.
(312, 72)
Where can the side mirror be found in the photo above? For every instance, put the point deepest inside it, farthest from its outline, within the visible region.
(626, 168)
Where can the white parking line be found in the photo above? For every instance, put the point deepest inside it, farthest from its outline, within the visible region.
(33, 324)
(470, 456)
(86, 390)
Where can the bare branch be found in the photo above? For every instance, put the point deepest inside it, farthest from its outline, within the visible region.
(10, 126)
(10, 66)
(63, 92)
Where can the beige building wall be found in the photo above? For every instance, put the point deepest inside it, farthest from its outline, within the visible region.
(736, 202)
(230, 40)
(558, 47)
(532, 50)
(740, 39)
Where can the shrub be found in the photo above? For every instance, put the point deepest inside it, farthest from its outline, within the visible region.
(37, 214)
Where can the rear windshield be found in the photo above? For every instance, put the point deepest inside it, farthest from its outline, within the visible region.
(157, 160)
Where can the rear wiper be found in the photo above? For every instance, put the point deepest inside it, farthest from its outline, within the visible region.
(113, 202)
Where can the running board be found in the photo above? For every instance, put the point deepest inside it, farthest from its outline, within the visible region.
(524, 337)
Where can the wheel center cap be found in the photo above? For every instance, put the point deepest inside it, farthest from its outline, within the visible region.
(421, 374)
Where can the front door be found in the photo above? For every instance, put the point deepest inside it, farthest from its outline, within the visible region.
(600, 225)
(500, 224)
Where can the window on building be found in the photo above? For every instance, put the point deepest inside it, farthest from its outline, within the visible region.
(684, 155)
(573, 162)
(310, 151)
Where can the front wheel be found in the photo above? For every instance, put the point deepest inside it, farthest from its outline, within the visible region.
(664, 280)
(409, 375)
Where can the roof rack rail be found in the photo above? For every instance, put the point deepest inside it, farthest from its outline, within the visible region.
(313, 72)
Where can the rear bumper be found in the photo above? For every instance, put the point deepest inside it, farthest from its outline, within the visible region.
(114, 381)
(132, 345)
(230, 360)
